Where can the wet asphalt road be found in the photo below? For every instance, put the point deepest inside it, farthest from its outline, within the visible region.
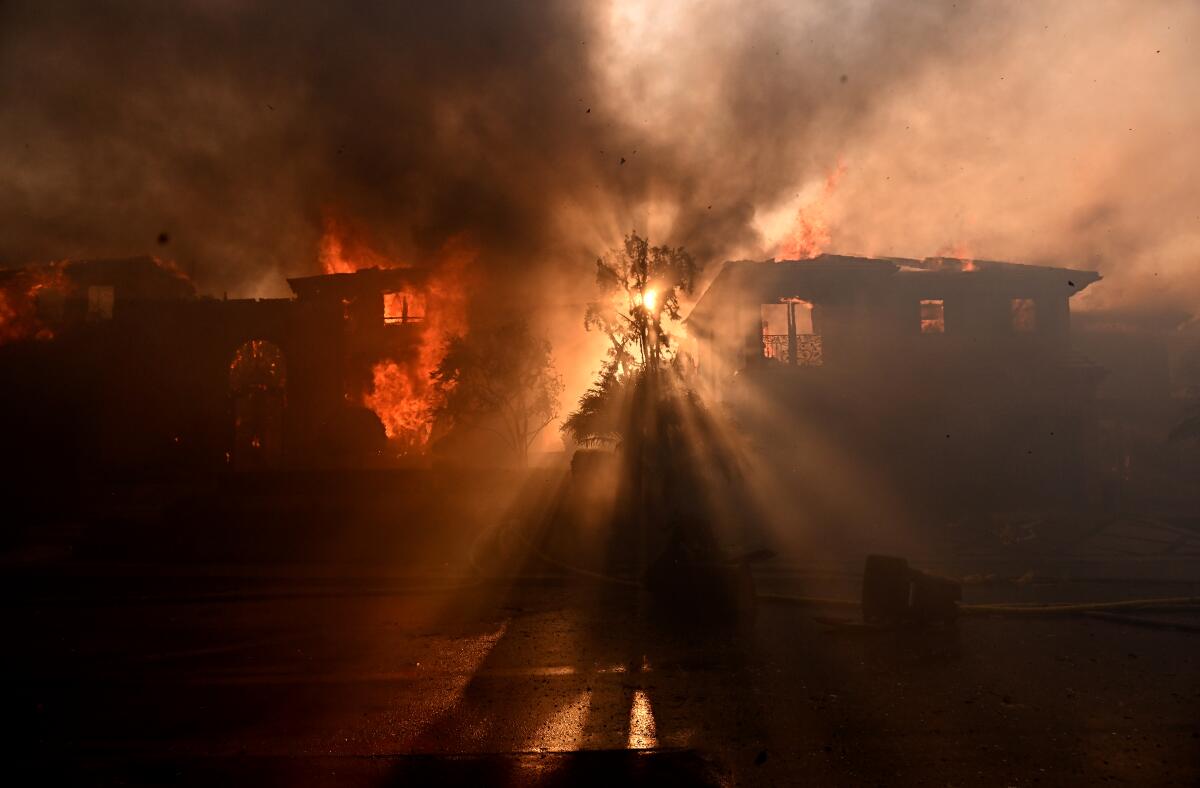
(559, 682)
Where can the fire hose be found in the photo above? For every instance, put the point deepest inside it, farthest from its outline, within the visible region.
(1114, 611)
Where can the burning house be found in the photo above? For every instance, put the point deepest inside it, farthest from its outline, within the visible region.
(118, 364)
(954, 380)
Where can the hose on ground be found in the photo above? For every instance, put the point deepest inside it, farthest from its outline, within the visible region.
(1115, 612)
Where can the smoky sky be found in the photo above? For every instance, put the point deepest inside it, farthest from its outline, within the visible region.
(542, 131)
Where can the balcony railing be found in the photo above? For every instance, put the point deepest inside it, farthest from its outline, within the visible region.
(809, 351)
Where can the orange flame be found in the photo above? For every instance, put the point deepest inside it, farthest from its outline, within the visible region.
(402, 393)
(22, 312)
(810, 234)
(341, 253)
(403, 396)
(404, 408)
(959, 251)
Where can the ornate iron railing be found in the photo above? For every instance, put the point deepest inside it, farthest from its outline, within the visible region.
(775, 347)
(809, 350)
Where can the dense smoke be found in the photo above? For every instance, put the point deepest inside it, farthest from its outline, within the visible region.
(224, 134)
(1060, 136)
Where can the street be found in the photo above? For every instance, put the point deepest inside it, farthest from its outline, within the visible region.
(556, 681)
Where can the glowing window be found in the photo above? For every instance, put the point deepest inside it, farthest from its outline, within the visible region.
(788, 333)
(1024, 315)
(775, 331)
(933, 316)
(403, 306)
(802, 316)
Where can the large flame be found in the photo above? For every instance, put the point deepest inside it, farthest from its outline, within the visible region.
(402, 392)
(810, 235)
(342, 252)
(404, 396)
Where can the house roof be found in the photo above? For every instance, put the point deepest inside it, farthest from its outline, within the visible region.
(366, 280)
(766, 276)
(141, 277)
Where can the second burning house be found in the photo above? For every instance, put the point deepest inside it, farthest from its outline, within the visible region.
(953, 376)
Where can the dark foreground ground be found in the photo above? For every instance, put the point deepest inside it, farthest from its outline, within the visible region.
(222, 676)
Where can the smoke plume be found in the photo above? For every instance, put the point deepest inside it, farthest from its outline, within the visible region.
(224, 135)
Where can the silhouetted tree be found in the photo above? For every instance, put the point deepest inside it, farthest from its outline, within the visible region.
(502, 381)
(639, 286)
(599, 418)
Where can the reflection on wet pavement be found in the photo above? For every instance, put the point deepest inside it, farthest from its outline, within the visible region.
(539, 685)
(641, 723)
(563, 730)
